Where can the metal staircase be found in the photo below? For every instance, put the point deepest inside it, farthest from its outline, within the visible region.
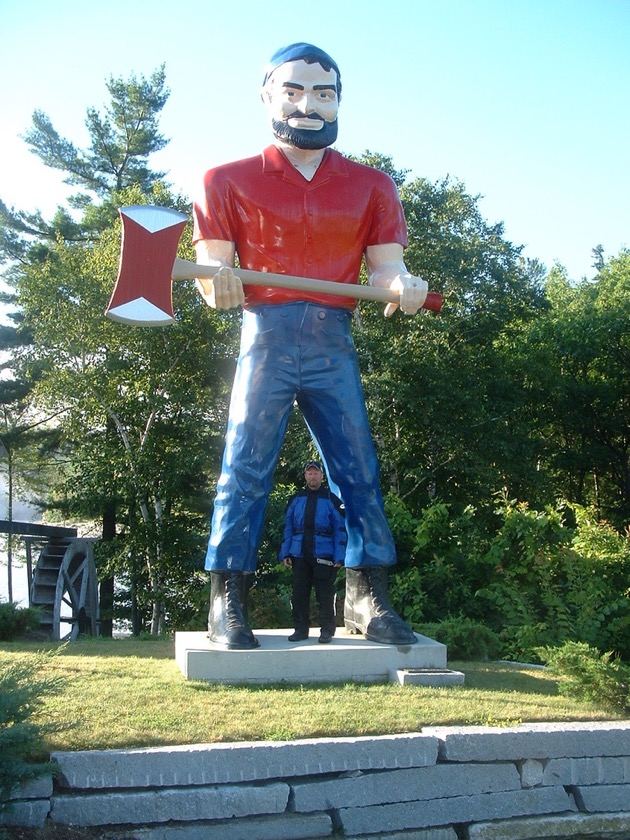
(65, 588)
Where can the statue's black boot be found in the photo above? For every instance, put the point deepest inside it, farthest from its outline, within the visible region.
(367, 609)
(227, 619)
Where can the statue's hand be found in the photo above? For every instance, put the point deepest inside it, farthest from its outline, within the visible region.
(413, 293)
(223, 291)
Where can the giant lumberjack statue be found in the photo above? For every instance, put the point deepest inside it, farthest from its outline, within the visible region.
(300, 208)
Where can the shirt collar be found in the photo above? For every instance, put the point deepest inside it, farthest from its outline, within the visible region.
(333, 163)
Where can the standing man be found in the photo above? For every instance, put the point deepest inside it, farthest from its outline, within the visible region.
(314, 547)
(300, 208)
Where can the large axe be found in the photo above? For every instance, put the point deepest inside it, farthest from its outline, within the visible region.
(143, 291)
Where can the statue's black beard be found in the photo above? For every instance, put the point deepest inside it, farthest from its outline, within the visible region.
(303, 138)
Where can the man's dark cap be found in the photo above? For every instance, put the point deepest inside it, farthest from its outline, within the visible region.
(315, 464)
(302, 52)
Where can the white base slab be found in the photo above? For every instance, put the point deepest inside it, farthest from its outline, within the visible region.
(348, 658)
(435, 678)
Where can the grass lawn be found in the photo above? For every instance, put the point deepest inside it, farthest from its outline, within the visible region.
(130, 693)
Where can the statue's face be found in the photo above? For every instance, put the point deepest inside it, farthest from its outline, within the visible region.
(302, 103)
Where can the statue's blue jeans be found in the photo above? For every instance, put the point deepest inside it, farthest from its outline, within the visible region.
(297, 353)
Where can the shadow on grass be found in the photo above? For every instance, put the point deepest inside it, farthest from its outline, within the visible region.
(149, 647)
(494, 676)
(485, 676)
(482, 676)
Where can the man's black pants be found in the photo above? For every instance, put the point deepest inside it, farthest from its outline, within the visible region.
(309, 574)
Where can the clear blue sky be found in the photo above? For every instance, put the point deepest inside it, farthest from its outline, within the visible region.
(524, 101)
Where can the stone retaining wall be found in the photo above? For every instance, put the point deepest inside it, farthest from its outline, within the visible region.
(464, 783)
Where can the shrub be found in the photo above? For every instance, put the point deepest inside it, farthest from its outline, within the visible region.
(269, 601)
(15, 621)
(591, 676)
(406, 595)
(557, 575)
(464, 638)
(23, 686)
(437, 551)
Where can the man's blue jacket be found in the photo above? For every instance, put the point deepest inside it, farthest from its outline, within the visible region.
(330, 527)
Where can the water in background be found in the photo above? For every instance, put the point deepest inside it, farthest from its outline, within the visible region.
(22, 512)
(20, 584)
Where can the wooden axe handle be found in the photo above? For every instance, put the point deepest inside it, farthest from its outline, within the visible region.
(186, 270)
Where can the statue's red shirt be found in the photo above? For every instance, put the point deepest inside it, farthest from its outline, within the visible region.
(282, 223)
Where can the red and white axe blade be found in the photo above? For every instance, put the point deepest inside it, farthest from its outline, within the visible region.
(143, 291)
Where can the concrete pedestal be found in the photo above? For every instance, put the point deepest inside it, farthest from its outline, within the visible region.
(348, 658)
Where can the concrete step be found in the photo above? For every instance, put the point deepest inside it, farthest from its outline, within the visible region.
(348, 658)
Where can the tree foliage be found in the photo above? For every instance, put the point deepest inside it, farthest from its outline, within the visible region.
(538, 578)
(24, 686)
(590, 675)
(581, 399)
(140, 411)
(121, 140)
(443, 390)
(134, 411)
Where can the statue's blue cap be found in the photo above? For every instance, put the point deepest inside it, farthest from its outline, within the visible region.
(297, 52)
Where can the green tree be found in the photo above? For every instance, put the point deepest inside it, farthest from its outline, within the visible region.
(25, 435)
(443, 392)
(136, 424)
(121, 142)
(579, 357)
(140, 411)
